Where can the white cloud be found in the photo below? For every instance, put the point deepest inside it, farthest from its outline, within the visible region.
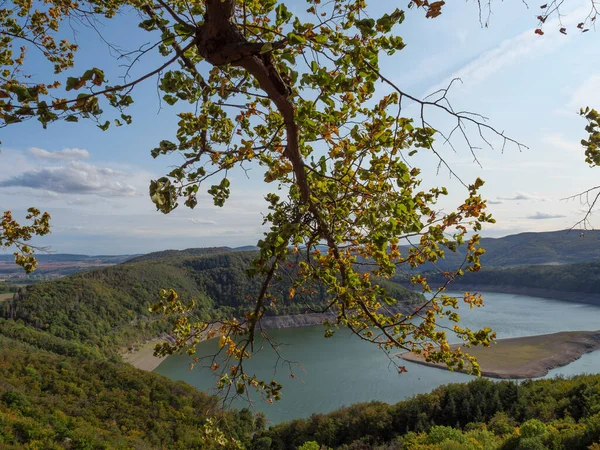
(494, 202)
(64, 154)
(75, 178)
(543, 216)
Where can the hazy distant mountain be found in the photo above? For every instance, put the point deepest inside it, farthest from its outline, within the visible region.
(553, 247)
(58, 264)
(62, 257)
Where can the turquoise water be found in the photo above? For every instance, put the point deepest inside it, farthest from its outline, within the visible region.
(331, 373)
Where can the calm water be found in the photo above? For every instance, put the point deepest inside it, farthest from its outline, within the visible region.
(344, 370)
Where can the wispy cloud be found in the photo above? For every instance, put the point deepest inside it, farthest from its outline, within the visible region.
(64, 154)
(495, 202)
(544, 216)
(523, 196)
(586, 94)
(202, 221)
(559, 141)
(74, 178)
(511, 51)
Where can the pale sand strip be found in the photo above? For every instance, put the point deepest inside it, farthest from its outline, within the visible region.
(526, 357)
(143, 356)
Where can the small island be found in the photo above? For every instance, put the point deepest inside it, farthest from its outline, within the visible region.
(526, 357)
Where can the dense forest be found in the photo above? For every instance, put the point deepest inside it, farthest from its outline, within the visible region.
(580, 277)
(69, 398)
(108, 308)
(533, 415)
(551, 247)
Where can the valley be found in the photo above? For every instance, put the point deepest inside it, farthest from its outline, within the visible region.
(89, 317)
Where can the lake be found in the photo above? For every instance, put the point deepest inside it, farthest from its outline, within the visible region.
(343, 370)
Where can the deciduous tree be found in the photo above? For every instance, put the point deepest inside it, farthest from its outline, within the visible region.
(300, 96)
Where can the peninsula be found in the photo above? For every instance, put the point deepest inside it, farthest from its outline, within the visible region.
(526, 357)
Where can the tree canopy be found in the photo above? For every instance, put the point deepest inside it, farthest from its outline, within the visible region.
(300, 95)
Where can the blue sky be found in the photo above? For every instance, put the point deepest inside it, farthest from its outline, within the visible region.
(95, 183)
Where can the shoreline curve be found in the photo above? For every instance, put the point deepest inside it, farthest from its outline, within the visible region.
(525, 357)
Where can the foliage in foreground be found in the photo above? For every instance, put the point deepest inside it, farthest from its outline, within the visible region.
(14, 234)
(298, 92)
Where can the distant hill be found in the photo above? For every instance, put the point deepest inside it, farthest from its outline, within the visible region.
(108, 308)
(579, 278)
(553, 247)
(180, 253)
(56, 265)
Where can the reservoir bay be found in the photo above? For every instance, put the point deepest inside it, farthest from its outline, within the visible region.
(344, 370)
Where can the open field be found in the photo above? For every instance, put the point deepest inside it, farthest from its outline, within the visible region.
(527, 357)
(6, 296)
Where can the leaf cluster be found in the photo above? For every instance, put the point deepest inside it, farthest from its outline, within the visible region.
(13, 234)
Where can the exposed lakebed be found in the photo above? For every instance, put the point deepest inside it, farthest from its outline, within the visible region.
(344, 370)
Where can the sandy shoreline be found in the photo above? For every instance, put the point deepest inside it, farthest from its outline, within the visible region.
(526, 357)
(143, 357)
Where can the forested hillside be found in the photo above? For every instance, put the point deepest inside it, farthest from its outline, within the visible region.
(552, 247)
(69, 399)
(49, 400)
(579, 278)
(107, 308)
(561, 414)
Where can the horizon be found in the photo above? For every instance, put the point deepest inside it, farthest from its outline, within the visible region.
(51, 252)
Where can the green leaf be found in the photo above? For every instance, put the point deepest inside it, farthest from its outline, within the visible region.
(321, 38)
(366, 26)
(282, 14)
(296, 39)
(266, 48)
(72, 83)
